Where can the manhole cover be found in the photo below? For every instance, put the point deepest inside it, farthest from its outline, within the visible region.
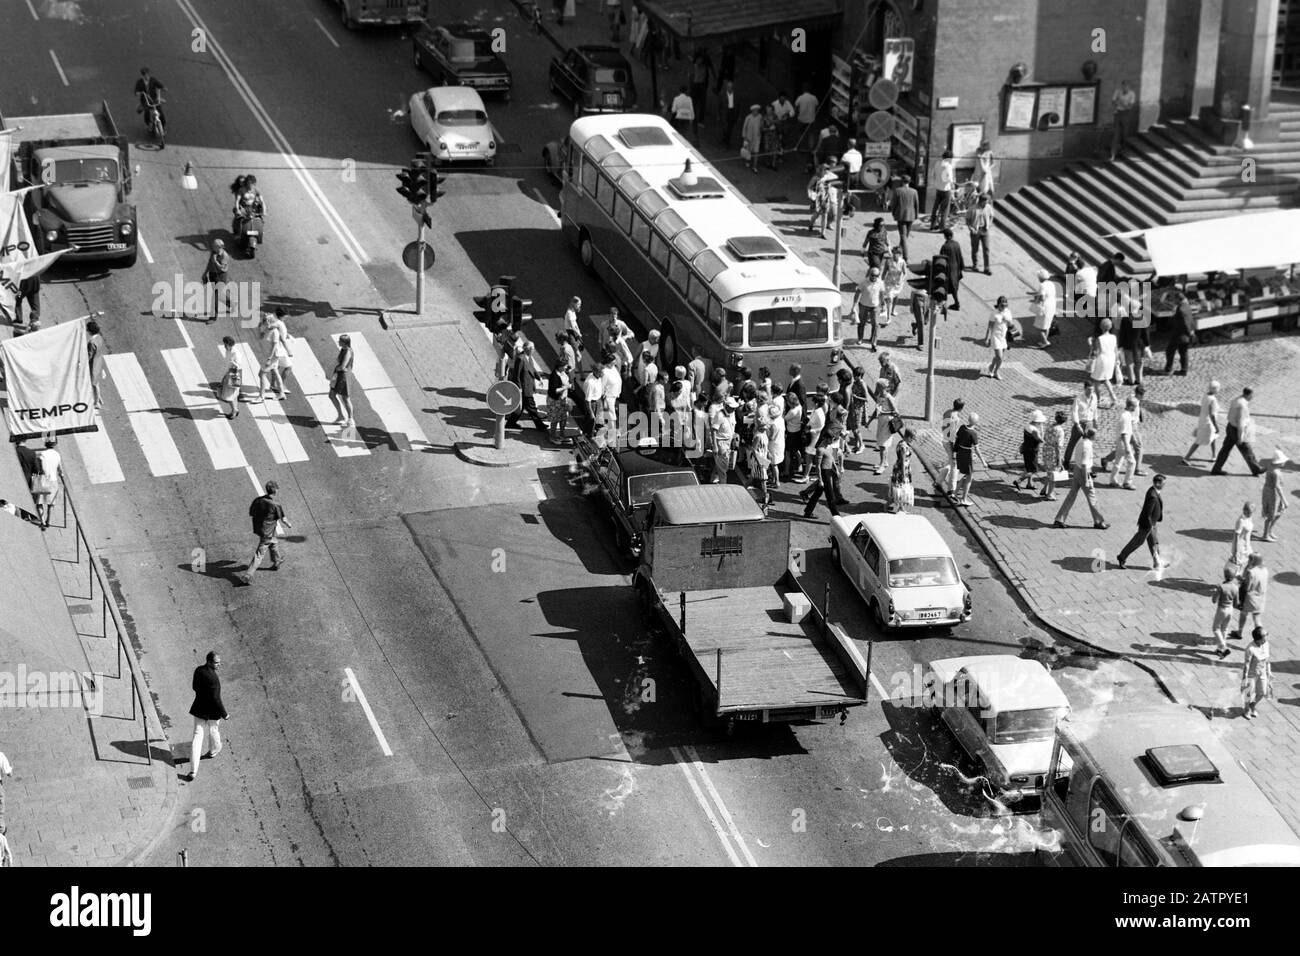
(140, 783)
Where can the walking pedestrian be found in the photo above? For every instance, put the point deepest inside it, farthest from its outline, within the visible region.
(867, 303)
(945, 180)
(217, 275)
(1152, 513)
(1207, 424)
(1030, 447)
(232, 379)
(979, 221)
(616, 17)
(886, 418)
(268, 516)
(785, 119)
(902, 495)
(571, 319)
(683, 111)
(45, 479)
(859, 395)
(702, 74)
(759, 459)
(525, 372)
(1083, 415)
(827, 483)
(558, 387)
(730, 105)
(1000, 323)
(815, 424)
(1241, 547)
(1054, 462)
(751, 137)
(983, 177)
(1101, 364)
(283, 349)
(822, 193)
(965, 449)
(1252, 594)
(905, 207)
(776, 443)
(951, 252)
(340, 393)
(875, 244)
(893, 273)
(28, 293)
(95, 350)
(1274, 497)
(1123, 457)
(1256, 674)
(805, 114)
(1224, 597)
(1083, 298)
(208, 711)
(722, 426)
(1122, 102)
(268, 373)
(1044, 306)
(1182, 331)
(796, 466)
(618, 336)
(1240, 434)
(952, 420)
(770, 138)
(1134, 342)
(1081, 481)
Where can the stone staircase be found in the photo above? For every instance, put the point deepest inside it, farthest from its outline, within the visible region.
(1172, 173)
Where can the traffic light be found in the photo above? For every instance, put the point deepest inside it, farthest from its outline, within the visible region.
(519, 313)
(412, 188)
(432, 181)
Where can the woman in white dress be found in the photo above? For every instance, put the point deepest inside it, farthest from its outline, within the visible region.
(1256, 674)
(984, 169)
(1207, 426)
(893, 271)
(1105, 353)
(1241, 535)
(997, 334)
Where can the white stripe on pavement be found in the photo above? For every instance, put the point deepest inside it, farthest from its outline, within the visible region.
(32, 9)
(209, 420)
(384, 399)
(315, 388)
(722, 807)
(185, 333)
(144, 248)
(326, 32)
(252, 476)
(97, 455)
(704, 804)
(370, 714)
(350, 244)
(145, 416)
(59, 66)
(277, 432)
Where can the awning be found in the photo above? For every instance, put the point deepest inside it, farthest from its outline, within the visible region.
(1253, 241)
(700, 19)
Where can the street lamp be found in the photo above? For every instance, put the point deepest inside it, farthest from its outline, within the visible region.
(188, 179)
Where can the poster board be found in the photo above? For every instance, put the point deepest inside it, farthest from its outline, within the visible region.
(1083, 106)
(964, 140)
(1021, 108)
(1052, 102)
(900, 56)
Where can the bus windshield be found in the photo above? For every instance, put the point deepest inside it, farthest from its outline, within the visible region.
(787, 324)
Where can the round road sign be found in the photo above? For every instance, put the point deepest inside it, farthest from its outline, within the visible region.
(504, 398)
(411, 256)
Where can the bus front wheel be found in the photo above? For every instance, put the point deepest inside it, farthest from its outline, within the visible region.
(587, 253)
(668, 347)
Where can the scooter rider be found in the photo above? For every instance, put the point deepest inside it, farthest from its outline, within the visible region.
(149, 90)
(248, 202)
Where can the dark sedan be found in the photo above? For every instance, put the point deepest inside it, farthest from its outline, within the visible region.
(595, 79)
(625, 482)
(461, 54)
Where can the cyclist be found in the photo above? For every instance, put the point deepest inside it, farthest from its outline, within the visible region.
(149, 90)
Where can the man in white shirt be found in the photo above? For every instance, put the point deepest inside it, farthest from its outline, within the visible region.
(805, 114)
(1044, 306)
(953, 419)
(593, 395)
(1081, 481)
(945, 179)
(1123, 455)
(1240, 433)
(1084, 299)
(867, 302)
(611, 381)
(722, 424)
(1083, 415)
(785, 113)
(852, 163)
(571, 317)
(683, 111)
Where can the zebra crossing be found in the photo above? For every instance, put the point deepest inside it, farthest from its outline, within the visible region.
(153, 426)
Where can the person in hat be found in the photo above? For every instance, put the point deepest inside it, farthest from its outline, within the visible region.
(1000, 325)
(1030, 445)
(868, 300)
(1274, 496)
(751, 136)
(1256, 674)
(1044, 306)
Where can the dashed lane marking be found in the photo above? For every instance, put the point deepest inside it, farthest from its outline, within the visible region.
(326, 32)
(370, 714)
(58, 66)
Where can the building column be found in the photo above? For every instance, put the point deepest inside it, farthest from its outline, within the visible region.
(1244, 72)
(1209, 26)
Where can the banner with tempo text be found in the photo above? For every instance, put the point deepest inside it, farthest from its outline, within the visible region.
(47, 377)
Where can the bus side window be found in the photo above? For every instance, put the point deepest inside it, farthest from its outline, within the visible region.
(1133, 848)
(622, 213)
(1105, 825)
(659, 251)
(605, 194)
(640, 230)
(678, 272)
(567, 153)
(715, 315)
(735, 328)
(697, 293)
(589, 176)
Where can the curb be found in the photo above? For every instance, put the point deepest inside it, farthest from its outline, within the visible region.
(1036, 612)
(525, 11)
(489, 456)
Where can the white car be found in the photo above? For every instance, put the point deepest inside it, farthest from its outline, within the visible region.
(453, 123)
(1003, 711)
(902, 568)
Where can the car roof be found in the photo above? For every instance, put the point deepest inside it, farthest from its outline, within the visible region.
(706, 504)
(599, 53)
(466, 31)
(456, 97)
(1237, 827)
(633, 463)
(906, 536)
(1008, 682)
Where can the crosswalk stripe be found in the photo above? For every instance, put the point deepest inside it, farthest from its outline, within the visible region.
(145, 416)
(315, 387)
(277, 432)
(383, 397)
(209, 420)
(97, 455)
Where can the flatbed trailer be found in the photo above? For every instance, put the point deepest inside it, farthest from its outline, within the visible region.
(699, 587)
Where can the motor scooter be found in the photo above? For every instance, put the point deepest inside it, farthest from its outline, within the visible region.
(250, 231)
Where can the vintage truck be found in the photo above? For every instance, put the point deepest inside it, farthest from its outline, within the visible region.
(715, 580)
(82, 163)
(625, 481)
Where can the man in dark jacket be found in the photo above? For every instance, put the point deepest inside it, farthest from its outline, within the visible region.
(524, 373)
(903, 207)
(951, 250)
(1182, 330)
(267, 514)
(1153, 512)
(207, 710)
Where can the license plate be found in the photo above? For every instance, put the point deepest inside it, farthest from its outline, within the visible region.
(114, 246)
(612, 99)
(467, 145)
(930, 615)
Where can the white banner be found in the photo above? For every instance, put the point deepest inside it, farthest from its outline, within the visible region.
(6, 162)
(18, 258)
(47, 375)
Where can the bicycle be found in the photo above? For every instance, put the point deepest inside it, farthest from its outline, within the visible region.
(964, 198)
(153, 121)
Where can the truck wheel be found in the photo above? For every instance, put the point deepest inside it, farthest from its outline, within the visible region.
(587, 253)
(668, 346)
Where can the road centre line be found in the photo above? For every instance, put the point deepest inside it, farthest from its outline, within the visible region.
(370, 714)
(722, 807)
(58, 66)
(32, 10)
(685, 768)
(326, 32)
(148, 257)
(350, 244)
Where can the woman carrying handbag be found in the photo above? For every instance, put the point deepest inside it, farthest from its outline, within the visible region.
(902, 496)
(232, 381)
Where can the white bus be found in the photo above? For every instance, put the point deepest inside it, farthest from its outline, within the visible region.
(686, 254)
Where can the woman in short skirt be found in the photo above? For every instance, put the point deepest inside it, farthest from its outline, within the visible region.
(901, 493)
(1050, 454)
(1207, 426)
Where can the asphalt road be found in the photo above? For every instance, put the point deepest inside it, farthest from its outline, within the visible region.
(481, 614)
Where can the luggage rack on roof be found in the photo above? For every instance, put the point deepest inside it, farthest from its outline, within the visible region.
(755, 247)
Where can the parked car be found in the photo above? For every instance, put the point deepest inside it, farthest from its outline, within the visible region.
(453, 124)
(461, 54)
(595, 79)
(902, 568)
(1003, 710)
(626, 481)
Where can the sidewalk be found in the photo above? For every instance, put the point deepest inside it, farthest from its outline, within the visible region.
(1159, 620)
(83, 791)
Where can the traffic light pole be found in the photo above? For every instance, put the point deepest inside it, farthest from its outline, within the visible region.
(419, 273)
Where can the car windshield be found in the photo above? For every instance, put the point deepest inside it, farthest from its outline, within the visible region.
(1022, 726)
(921, 572)
(84, 171)
(461, 118)
(787, 324)
(610, 75)
(467, 51)
(641, 488)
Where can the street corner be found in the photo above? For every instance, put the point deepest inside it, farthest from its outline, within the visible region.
(513, 454)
